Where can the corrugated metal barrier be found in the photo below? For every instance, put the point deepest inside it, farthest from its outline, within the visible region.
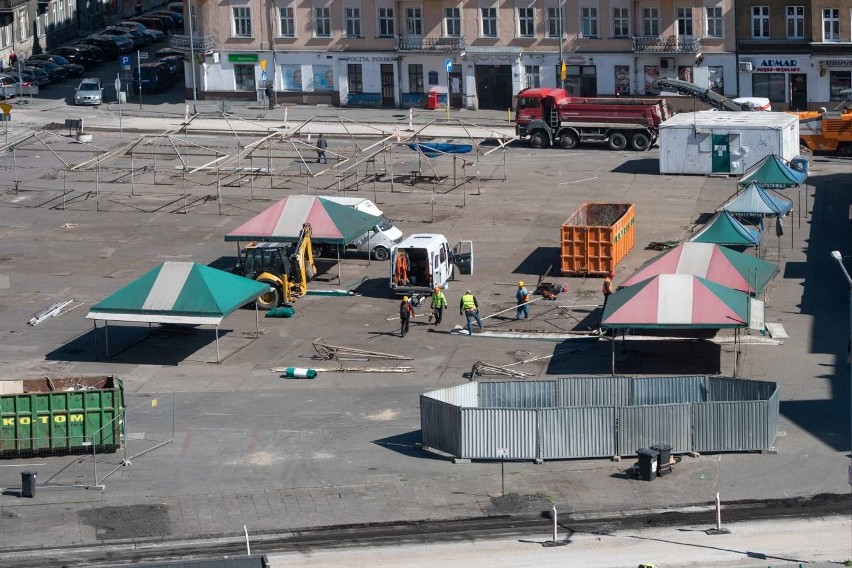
(587, 417)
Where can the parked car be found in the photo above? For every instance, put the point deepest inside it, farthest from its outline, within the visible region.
(89, 92)
(56, 72)
(167, 21)
(73, 69)
(76, 54)
(35, 75)
(151, 23)
(156, 36)
(175, 7)
(176, 17)
(136, 39)
(96, 52)
(10, 86)
(153, 76)
(174, 65)
(169, 52)
(107, 45)
(122, 43)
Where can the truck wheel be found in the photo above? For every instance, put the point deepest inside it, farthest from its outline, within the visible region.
(381, 253)
(640, 141)
(617, 141)
(569, 141)
(269, 299)
(538, 139)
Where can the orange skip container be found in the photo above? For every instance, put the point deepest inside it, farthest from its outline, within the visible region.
(596, 237)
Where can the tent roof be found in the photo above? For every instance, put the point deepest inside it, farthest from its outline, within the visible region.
(756, 201)
(773, 173)
(179, 292)
(676, 301)
(331, 223)
(723, 229)
(717, 264)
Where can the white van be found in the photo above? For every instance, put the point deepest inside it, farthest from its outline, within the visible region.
(429, 262)
(380, 239)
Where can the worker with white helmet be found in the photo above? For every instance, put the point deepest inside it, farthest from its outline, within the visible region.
(523, 296)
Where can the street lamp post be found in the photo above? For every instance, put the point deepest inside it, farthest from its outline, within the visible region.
(192, 60)
(839, 258)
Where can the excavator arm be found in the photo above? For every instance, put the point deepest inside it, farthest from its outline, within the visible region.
(703, 94)
(302, 263)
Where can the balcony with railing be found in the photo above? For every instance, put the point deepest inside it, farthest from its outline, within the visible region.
(197, 43)
(9, 5)
(417, 44)
(669, 44)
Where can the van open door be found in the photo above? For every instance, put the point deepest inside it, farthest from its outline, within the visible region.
(463, 257)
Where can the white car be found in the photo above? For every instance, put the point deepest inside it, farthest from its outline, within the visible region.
(89, 92)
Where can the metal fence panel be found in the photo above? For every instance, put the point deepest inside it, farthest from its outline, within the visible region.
(668, 390)
(579, 432)
(773, 410)
(460, 395)
(484, 430)
(517, 394)
(594, 391)
(645, 426)
(440, 425)
(727, 389)
(731, 426)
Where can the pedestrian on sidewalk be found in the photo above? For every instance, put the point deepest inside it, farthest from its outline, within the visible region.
(522, 296)
(405, 314)
(270, 96)
(439, 302)
(606, 289)
(321, 146)
(470, 308)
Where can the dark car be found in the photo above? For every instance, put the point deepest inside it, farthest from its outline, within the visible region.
(169, 52)
(136, 39)
(123, 43)
(35, 75)
(174, 65)
(153, 76)
(76, 54)
(167, 22)
(107, 46)
(74, 70)
(176, 18)
(96, 52)
(152, 23)
(56, 72)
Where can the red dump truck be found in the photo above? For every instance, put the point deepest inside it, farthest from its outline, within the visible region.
(551, 117)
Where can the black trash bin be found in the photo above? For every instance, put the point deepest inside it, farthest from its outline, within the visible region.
(28, 483)
(665, 453)
(647, 463)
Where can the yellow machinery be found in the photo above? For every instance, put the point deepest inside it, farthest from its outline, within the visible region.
(285, 267)
(826, 132)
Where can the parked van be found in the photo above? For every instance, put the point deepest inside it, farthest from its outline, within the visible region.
(382, 238)
(429, 262)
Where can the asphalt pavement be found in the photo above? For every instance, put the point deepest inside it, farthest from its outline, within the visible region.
(243, 446)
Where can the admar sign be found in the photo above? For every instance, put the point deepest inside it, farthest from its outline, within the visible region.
(776, 66)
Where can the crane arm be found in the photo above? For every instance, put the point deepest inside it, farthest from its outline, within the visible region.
(704, 95)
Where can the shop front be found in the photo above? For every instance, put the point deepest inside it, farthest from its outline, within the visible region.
(784, 79)
(835, 79)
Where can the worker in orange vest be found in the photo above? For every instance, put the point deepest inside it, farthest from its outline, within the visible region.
(401, 268)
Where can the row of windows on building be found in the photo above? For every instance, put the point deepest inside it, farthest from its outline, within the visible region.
(59, 13)
(795, 23)
(525, 22)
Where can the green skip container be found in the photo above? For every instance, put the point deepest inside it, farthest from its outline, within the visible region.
(59, 416)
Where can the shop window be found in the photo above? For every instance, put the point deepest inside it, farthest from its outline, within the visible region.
(414, 21)
(386, 22)
(415, 78)
(716, 79)
(286, 22)
(244, 77)
(488, 21)
(795, 22)
(554, 22)
(715, 21)
(839, 81)
(322, 22)
(241, 23)
(356, 79)
(620, 22)
(769, 85)
(533, 77)
(650, 22)
(760, 22)
(581, 81)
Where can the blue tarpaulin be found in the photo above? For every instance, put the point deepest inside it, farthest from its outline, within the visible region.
(436, 149)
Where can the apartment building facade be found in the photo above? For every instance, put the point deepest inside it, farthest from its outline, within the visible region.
(476, 53)
(796, 53)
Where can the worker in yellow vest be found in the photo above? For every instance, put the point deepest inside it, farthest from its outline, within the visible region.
(470, 308)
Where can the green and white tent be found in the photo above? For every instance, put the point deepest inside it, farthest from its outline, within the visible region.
(181, 293)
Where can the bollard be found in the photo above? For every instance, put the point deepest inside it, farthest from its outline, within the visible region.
(553, 514)
(411, 119)
(718, 513)
(509, 115)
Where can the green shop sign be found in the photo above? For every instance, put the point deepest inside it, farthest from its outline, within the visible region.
(242, 58)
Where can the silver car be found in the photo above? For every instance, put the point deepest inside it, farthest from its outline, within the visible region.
(89, 92)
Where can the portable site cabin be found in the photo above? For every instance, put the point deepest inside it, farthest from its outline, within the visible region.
(713, 142)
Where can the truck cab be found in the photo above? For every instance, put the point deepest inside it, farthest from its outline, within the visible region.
(423, 261)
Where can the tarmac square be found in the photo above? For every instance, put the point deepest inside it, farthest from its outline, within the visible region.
(249, 447)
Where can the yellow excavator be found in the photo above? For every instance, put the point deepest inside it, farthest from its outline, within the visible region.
(287, 268)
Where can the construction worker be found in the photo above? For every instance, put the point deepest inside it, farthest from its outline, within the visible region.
(523, 296)
(607, 288)
(470, 308)
(439, 302)
(401, 268)
(405, 314)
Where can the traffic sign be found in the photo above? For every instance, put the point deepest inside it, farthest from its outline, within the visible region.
(448, 64)
(117, 85)
(6, 108)
(263, 65)
(263, 76)
(143, 54)
(125, 60)
(502, 451)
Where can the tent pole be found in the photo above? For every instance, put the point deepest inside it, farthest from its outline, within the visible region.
(799, 191)
(256, 322)
(613, 354)
(339, 280)
(218, 360)
(95, 323)
(106, 337)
